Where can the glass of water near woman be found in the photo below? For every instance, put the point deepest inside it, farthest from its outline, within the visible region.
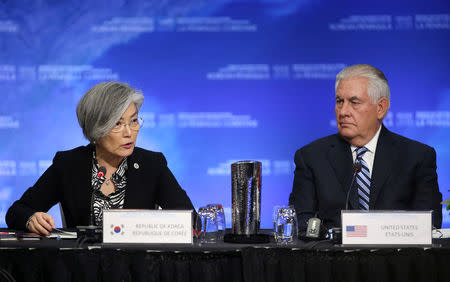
(285, 224)
(221, 225)
(210, 224)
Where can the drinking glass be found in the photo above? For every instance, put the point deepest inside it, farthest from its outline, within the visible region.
(286, 226)
(274, 218)
(220, 220)
(206, 225)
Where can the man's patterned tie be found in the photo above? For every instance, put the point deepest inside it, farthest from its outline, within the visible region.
(363, 180)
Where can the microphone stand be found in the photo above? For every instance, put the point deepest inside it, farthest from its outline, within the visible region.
(91, 233)
(356, 168)
(337, 231)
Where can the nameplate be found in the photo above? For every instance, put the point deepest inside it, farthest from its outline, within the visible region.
(386, 227)
(147, 226)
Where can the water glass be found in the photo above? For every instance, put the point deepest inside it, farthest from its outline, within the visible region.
(286, 225)
(206, 225)
(221, 226)
(274, 218)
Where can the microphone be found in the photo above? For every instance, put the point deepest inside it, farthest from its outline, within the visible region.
(356, 168)
(92, 232)
(101, 171)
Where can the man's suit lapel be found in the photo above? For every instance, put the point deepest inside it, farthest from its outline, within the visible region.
(385, 158)
(340, 158)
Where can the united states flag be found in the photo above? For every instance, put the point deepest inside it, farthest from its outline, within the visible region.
(356, 230)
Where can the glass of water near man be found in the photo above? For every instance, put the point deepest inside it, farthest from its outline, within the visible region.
(285, 228)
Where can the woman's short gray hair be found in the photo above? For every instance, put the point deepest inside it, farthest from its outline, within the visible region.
(378, 86)
(103, 105)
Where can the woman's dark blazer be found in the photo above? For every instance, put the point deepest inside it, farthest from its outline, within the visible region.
(68, 181)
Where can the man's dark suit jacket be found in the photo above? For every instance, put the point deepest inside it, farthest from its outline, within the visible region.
(403, 178)
(68, 181)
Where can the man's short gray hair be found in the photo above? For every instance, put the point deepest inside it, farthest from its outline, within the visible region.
(378, 86)
(103, 106)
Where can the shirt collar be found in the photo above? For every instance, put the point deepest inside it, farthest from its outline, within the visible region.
(372, 144)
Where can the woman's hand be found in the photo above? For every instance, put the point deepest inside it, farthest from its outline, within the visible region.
(41, 223)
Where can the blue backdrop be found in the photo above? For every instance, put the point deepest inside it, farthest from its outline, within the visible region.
(223, 81)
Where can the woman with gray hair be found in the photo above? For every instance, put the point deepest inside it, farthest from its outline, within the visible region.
(108, 173)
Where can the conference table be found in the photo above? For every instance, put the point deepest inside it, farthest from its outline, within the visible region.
(71, 260)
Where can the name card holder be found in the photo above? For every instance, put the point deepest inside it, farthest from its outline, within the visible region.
(147, 226)
(390, 228)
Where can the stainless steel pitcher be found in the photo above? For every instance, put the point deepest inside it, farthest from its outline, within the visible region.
(246, 197)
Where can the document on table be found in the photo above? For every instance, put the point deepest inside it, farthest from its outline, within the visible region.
(61, 234)
(441, 233)
(8, 236)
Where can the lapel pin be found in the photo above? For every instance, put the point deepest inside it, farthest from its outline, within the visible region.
(136, 166)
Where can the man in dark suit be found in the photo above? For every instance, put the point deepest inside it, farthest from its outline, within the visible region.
(395, 173)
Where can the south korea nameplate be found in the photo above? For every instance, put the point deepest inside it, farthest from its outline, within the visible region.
(147, 226)
(386, 227)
